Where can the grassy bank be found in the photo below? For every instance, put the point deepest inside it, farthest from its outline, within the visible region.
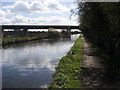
(32, 36)
(13, 40)
(68, 70)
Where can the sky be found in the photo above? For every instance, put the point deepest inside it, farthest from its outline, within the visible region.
(37, 12)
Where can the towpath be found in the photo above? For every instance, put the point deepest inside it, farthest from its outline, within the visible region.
(93, 72)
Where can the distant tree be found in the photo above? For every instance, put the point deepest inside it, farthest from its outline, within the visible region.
(53, 34)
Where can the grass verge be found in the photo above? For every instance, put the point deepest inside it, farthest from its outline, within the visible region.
(68, 70)
(12, 40)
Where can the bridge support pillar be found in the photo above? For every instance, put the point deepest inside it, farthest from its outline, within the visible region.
(1, 32)
(68, 29)
(20, 32)
(25, 32)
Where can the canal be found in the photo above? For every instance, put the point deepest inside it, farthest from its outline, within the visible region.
(31, 65)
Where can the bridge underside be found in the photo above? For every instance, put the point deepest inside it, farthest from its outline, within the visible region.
(38, 27)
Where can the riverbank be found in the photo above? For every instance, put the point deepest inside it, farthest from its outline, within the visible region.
(68, 70)
(6, 41)
(15, 40)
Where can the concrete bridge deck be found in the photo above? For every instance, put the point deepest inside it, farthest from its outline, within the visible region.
(38, 27)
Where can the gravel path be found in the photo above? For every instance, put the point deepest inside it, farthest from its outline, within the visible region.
(92, 70)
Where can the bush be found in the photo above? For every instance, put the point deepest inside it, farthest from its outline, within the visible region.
(53, 34)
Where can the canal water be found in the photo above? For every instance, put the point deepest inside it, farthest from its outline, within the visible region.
(30, 65)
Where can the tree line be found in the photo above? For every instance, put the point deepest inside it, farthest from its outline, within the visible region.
(100, 23)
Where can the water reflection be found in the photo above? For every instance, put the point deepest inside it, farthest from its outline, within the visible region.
(31, 65)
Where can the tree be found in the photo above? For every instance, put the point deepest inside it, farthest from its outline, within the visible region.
(100, 23)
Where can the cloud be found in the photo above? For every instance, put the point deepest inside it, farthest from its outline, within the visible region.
(55, 5)
(37, 6)
(17, 13)
(47, 6)
(19, 19)
(2, 13)
(18, 7)
(74, 17)
(22, 20)
(73, 6)
(21, 6)
(37, 0)
(4, 21)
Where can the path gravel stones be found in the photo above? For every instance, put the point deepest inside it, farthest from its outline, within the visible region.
(92, 70)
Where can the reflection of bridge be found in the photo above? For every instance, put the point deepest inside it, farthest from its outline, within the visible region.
(26, 27)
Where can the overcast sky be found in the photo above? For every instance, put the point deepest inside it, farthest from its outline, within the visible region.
(37, 12)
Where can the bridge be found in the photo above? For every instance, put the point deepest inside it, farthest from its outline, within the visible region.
(26, 27)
